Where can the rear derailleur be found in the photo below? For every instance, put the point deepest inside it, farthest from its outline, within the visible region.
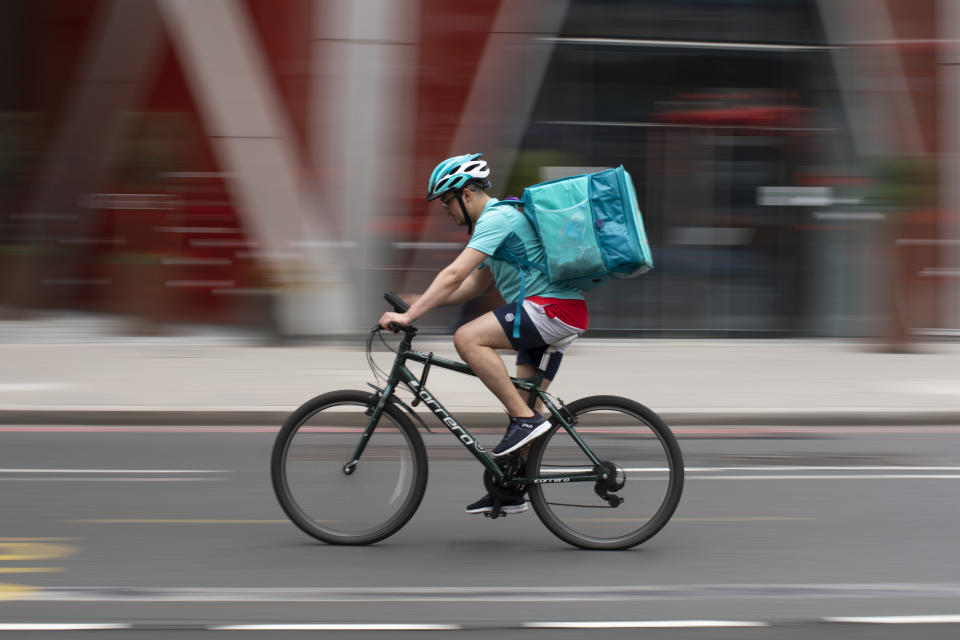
(614, 481)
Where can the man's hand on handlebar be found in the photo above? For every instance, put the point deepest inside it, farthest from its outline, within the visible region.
(401, 319)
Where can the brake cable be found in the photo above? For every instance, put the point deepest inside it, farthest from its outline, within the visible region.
(381, 375)
(378, 373)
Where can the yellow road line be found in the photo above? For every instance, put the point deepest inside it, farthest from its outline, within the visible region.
(31, 569)
(15, 591)
(34, 551)
(38, 539)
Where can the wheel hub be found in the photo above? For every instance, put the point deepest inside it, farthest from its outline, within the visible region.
(614, 481)
(616, 476)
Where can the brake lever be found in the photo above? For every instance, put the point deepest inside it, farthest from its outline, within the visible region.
(396, 328)
(392, 326)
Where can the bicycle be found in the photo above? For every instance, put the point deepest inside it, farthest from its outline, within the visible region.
(350, 467)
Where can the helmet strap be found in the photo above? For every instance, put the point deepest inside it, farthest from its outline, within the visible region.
(466, 216)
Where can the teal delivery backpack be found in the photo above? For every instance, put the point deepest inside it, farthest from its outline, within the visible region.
(591, 228)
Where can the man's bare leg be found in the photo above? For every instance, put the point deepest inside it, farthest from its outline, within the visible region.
(476, 342)
(528, 371)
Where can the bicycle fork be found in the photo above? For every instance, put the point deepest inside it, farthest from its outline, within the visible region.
(374, 411)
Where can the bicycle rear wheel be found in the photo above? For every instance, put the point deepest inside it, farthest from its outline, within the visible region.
(373, 501)
(644, 457)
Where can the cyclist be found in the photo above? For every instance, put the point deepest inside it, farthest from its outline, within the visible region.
(549, 312)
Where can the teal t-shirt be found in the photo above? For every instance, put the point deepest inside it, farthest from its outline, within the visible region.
(504, 225)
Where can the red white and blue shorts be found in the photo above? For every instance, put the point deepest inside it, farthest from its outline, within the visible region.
(543, 321)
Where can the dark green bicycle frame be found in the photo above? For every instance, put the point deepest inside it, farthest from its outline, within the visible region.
(400, 374)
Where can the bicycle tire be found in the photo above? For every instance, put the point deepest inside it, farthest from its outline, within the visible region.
(628, 434)
(319, 497)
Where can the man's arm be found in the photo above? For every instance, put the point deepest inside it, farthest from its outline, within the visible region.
(475, 285)
(457, 280)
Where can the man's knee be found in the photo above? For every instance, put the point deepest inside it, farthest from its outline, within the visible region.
(464, 339)
(482, 332)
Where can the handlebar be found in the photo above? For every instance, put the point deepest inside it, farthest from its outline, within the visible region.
(399, 306)
(394, 301)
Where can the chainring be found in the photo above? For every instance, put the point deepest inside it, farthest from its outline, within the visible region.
(501, 490)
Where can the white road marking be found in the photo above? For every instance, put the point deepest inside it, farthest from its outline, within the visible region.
(109, 475)
(644, 624)
(606, 624)
(66, 626)
(764, 472)
(336, 627)
(533, 593)
(757, 469)
(948, 619)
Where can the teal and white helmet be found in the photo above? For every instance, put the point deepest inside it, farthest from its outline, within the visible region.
(455, 173)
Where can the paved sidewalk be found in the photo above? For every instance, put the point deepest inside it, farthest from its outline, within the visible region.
(63, 373)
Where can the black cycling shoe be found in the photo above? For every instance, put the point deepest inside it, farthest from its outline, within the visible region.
(485, 505)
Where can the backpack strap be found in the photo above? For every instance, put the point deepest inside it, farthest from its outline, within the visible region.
(522, 264)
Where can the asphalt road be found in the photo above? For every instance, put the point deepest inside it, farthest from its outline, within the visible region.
(846, 532)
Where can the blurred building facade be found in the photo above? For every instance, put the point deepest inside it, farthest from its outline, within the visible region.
(262, 162)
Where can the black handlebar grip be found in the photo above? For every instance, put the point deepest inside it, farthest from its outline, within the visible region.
(408, 331)
(394, 301)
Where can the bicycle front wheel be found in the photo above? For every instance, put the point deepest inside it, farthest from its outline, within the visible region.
(642, 457)
(338, 505)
